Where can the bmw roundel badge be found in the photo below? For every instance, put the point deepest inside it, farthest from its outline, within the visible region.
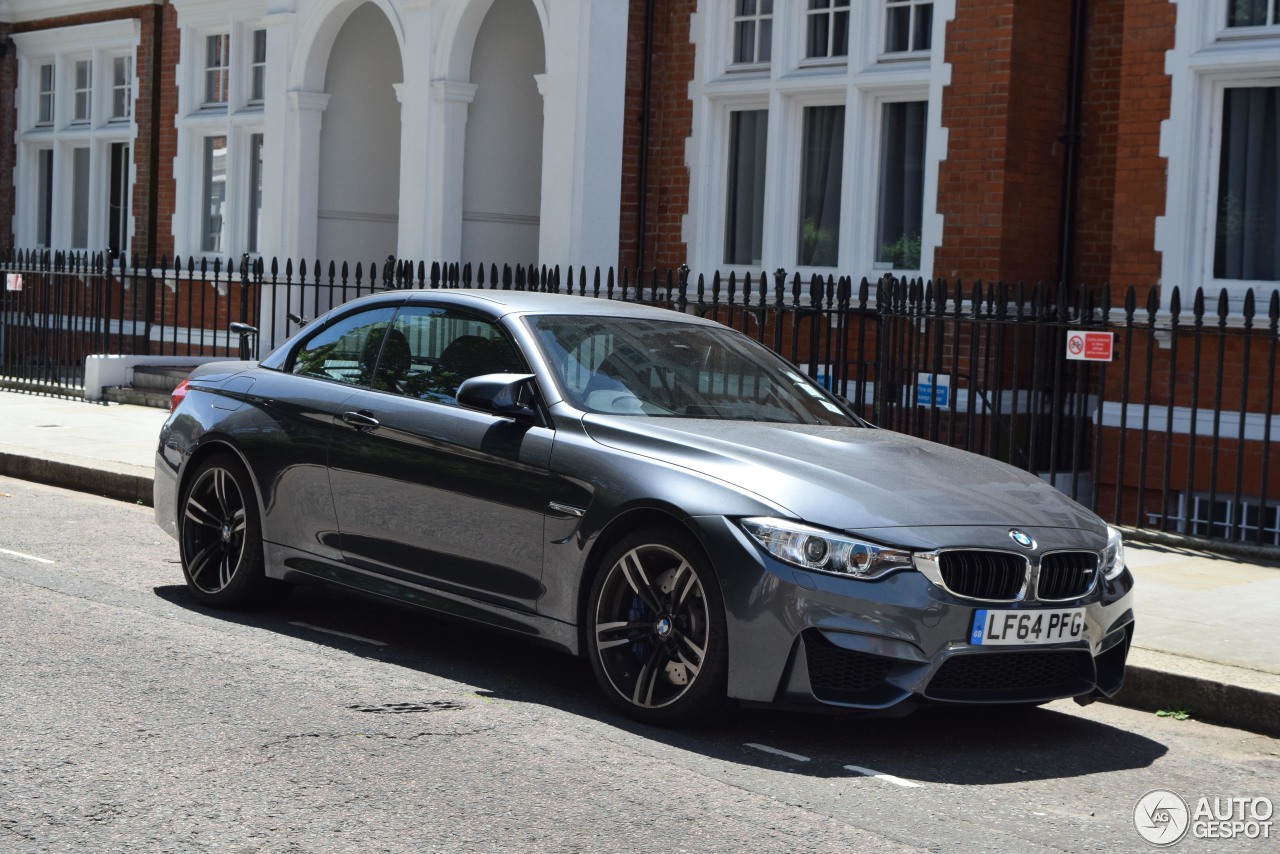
(1022, 538)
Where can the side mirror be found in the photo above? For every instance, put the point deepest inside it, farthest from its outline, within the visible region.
(504, 395)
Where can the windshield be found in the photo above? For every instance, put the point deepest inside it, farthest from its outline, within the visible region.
(671, 369)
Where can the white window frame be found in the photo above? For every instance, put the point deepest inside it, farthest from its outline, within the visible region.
(793, 118)
(862, 84)
(207, 157)
(238, 119)
(63, 47)
(1207, 59)
(1189, 515)
(81, 89)
(878, 102)
(217, 68)
(113, 88)
(829, 58)
(32, 197)
(720, 188)
(882, 28)
(755, 63)
(256, 79)
(43, 119)
(1271, 28)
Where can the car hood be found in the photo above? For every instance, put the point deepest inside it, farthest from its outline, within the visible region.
(849, 478)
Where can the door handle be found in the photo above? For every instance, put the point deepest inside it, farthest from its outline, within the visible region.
(362, 420)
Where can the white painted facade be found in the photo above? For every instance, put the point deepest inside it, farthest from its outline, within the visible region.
(413, 128)
(1209, 58)
(398, 127)
(862, 81)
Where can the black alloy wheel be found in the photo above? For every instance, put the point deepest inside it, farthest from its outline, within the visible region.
(220, 537)
(656, 629)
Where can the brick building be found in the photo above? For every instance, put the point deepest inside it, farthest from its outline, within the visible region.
(1130, 142)
(1088, 140)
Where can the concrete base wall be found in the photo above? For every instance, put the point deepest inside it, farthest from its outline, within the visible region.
(102, 372)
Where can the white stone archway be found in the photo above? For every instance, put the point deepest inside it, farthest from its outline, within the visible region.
(502, 160)
(335, 129)
(358, 204)
(579, 86)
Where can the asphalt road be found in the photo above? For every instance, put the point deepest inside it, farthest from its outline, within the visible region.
(136, 720)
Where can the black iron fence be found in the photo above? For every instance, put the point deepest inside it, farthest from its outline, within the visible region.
(1157, 417)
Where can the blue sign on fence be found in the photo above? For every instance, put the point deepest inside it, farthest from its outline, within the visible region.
(933, 390)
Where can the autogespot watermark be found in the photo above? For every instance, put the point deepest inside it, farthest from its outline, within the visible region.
(1164, 818)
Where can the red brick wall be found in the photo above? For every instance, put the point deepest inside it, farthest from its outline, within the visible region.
(142, 151)
(1145, 92)
(1035, 156)
(166, 146)
(8, 120)
(999, 188)
(666, 194)
(975, 112)
(1100, 121)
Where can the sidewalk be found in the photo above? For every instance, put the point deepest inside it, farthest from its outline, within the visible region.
(1208, 627)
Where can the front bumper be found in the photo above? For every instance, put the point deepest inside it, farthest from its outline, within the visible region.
(801, 637)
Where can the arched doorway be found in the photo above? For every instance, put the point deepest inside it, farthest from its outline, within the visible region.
(502, 175)
(359, 188)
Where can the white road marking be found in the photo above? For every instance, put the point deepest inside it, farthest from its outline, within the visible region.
(338, 633)
(776, 752)
(25, 557)
(888, 778)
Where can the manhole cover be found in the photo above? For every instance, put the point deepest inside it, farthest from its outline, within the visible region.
(405, 708)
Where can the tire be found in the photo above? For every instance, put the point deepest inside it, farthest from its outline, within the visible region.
(656, 629)
(220, 538)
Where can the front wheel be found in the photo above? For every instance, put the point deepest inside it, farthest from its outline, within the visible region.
(656, 629)
(220, 537)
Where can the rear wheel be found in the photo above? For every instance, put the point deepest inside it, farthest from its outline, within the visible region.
(220, 537)
(656, 629)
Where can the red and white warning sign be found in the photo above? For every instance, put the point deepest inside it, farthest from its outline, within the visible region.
(1091, 346)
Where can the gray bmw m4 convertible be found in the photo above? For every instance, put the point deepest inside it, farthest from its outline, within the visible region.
(645, 488)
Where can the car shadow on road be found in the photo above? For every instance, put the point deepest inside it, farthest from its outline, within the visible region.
(959, 745)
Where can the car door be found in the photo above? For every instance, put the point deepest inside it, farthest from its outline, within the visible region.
(287, 442)
(433, 494)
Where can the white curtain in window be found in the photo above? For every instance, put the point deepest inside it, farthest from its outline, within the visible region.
(822, 172)
(744, 209)
(1247, 242)
(215, 193)
(901, 201)
(80, 198)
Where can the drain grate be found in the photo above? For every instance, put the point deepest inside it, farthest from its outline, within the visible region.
(406, 708)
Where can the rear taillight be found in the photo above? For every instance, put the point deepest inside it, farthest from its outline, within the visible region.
(178, 394)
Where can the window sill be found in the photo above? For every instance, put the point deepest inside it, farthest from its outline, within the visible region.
(903, 57)
(824, 62)
(1239, 34)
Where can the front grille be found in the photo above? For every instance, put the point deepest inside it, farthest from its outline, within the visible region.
(842, 675)
(983, 575)
(1013, 676)
(1066, 575)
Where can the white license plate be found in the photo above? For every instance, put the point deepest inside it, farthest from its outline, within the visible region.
(1026, 627)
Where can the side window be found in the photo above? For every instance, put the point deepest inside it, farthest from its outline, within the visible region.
(430, 351)
(345, 351)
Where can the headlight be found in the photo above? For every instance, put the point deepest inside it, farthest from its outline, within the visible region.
(825, 551)
(1113, 555)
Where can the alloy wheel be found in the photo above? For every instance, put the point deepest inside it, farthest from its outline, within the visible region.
(214, 528)
(652, 626)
